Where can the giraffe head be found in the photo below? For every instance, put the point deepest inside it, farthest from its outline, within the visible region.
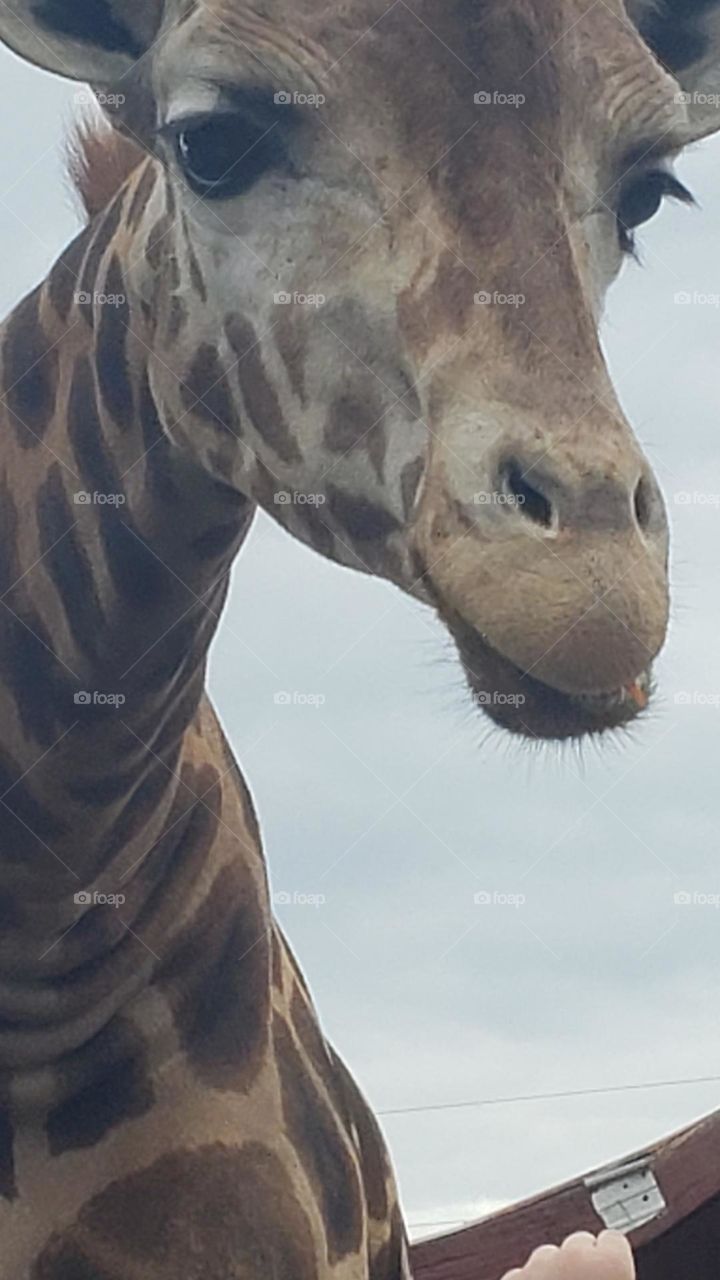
(368, 257)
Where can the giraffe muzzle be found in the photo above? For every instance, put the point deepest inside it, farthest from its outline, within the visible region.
(552, 580)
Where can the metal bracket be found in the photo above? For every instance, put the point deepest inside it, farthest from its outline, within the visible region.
(626, 1196)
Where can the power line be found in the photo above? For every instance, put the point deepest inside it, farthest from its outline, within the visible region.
(550, 1097)
(451, 1222)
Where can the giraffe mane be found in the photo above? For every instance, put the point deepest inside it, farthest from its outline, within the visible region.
(100, 160)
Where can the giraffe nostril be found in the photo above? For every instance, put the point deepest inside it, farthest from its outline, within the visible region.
(643, 502)
(526, 498)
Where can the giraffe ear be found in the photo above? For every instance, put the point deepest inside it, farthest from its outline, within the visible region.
(95, 40)
(685, 37)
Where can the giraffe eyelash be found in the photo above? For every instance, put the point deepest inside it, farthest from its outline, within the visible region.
(641, 197)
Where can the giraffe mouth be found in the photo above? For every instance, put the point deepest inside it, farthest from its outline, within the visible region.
(519, 703)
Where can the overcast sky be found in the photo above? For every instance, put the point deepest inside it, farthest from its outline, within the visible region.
(392, 802)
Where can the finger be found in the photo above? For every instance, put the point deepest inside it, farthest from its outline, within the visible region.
(605, 1257)
(543, 1263)
(616, 1248)
(580, 1243)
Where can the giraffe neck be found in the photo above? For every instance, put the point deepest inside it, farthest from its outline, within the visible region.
(158, 1049)
(120, 811)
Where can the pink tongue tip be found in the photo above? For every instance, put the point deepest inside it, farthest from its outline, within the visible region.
(638, 694)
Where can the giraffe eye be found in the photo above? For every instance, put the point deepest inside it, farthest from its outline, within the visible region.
(641, 198)
(226, 154)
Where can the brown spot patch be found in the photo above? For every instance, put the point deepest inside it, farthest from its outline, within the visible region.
(205, 389)
(443, 309)
(215, 543)
(66, 1261)
(362, 520)
(86, 1118)
(177, 318)
(104, 231)
(261, 402)
(170, 201)
(111, 355)
(318, 533)
(292, 345)
(29, 372)
(322, 1149)
(197, 280)
(357, 420)
(388, 1261)
(386, 1264)
(141, 195)
(214, 1213)
(219, 979)
(8, 1187)
(311, 1038)
(373, 1158)
(159, 248)
(63, 281)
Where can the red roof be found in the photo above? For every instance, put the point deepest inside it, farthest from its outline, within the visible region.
(677, 1181)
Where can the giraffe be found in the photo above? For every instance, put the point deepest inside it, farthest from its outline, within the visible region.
(343, 262)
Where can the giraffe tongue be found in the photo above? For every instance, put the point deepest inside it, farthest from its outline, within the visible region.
(639, 695)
